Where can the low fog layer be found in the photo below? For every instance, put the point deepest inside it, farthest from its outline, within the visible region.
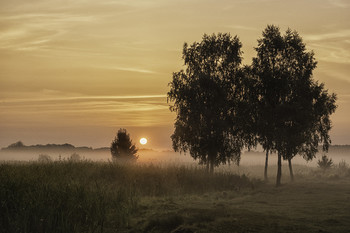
(248, 158)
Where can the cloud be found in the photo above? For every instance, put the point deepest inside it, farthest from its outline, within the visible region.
(339, 3)
(331, 52)
(331, 46)
(32, 31)
(241, 27)
(133, 110)
(338, 35)
(130, 69)
(51, 17)
(51, 96)
(135, 3)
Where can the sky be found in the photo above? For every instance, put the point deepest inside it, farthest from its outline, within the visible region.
(77, 71)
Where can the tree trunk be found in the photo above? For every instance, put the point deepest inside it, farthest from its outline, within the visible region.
(211, 166)
(279, 170)
(290, 169)
(211, 159)
(266, 164)
(208, 165)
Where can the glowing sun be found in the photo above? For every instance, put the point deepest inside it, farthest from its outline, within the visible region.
(143, 141)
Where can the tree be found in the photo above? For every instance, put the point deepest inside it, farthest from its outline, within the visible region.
(293, 109)
(122, 147)
(209, 100)
(268, 97)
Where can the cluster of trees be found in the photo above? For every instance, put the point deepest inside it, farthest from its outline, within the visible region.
(223, 106)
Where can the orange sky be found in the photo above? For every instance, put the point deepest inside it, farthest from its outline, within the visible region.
(77, 71)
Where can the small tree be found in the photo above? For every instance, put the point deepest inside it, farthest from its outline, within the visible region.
(122, 147)
(325, 162)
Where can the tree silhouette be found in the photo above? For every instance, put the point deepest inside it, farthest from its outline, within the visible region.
(265, 68)
(293, 109)
(122, 147)
(209, 100)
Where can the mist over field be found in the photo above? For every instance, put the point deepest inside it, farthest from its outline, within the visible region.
(337, 153)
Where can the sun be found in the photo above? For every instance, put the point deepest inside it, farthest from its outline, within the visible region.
(143, 141)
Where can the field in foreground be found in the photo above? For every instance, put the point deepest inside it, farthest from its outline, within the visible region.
(106, 197)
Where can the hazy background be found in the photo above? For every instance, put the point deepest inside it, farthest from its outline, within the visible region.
(77, 71)
(249, 159)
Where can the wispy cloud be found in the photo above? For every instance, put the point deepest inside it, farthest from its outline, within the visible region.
(51, 17)
(135, 3)
(241, 27)
(51, 98)
(133, 110)
(339, 3)
(340, 34)
(32, 31)
(129, 69)
(332, 46)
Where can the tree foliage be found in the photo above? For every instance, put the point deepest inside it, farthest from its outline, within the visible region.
(209, 99)
(122, 147)
(222, 106)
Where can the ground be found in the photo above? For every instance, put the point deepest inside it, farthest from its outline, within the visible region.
(302, 206)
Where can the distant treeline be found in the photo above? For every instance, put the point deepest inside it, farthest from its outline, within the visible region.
(54, 147)
(19, 146)
(338, 149)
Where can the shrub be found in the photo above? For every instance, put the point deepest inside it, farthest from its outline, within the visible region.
(325, 162)
(343, 166)
(43, 158)
(74, 157)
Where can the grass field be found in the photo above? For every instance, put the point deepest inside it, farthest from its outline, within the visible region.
(85, 196)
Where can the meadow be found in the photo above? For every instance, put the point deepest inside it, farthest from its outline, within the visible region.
(85, 196)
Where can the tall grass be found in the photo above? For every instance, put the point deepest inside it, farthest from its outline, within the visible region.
(59, 197)
(66, 196)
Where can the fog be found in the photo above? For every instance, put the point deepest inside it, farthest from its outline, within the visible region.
(248, 158)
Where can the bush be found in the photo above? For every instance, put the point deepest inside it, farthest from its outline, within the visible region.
(343, 166)
(43, 158)
(325, 162)
(74, 157)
